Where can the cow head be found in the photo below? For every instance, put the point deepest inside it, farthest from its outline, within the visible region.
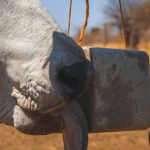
(41, 68)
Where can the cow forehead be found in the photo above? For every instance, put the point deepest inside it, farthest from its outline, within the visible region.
(25, 19)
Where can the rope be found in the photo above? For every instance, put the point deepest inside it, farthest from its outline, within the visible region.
(69, 17)
(85, 23)
(123, 25)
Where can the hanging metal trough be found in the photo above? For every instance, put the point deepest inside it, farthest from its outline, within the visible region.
(118, 98)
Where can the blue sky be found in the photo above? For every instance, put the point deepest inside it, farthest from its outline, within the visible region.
(59, 10)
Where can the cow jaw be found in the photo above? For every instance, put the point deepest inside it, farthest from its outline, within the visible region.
(36, 123)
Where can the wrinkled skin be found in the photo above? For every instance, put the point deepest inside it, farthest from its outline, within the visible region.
(41, 69)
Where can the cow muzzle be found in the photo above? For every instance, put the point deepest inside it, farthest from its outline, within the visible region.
(73, 80)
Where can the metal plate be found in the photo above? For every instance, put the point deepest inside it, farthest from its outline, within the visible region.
(118, 98)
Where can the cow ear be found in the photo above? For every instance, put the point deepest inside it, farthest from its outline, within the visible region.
(75, 131)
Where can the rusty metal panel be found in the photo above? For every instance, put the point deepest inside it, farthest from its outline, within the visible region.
(118, 98)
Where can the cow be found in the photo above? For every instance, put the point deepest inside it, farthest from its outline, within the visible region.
(42, 72)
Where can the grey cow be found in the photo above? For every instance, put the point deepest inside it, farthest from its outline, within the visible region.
(41, 72)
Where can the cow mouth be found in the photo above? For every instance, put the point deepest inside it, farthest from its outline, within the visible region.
(37, 120)
(35, 105)
(24, 102)
(73, 79)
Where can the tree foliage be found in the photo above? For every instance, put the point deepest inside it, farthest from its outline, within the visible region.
(136, 18)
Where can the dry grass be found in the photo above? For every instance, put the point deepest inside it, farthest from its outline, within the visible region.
(11, 139)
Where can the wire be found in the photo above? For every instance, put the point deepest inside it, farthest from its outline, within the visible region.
(86, 22)
(69, 16)
(123, 25)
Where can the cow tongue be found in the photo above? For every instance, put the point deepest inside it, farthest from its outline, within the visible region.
(75, 132)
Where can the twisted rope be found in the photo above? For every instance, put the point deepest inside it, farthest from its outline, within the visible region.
(85, 22)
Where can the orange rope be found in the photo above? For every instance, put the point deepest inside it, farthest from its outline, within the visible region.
(123, 25)
(69, 17)
(85, 23)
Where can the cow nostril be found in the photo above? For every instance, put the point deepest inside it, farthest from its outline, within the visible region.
(76, 78)
(70, 82)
